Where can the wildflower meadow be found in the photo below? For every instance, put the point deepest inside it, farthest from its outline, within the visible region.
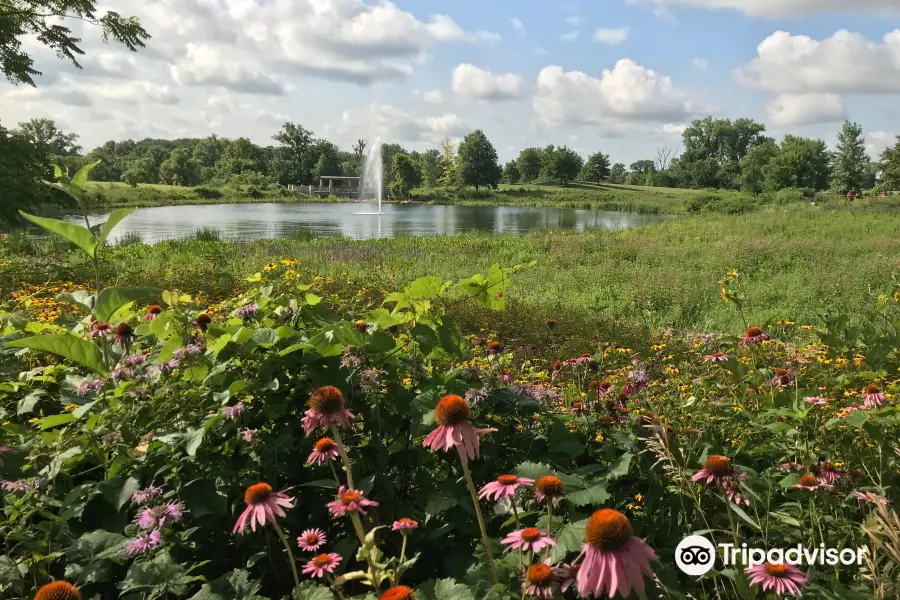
(292, 442)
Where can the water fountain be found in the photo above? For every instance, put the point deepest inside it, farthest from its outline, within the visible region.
(371, 186)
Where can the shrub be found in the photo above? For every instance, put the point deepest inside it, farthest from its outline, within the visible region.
(208, 234)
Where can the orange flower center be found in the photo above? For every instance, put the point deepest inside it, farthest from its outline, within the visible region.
(312, 539)
(808, 480)
(452, 410)
(324, 445)
(494, 345)
(322, 560)
(717, 465)
(349, 497)
(539, 574)
(531, 534)
(327, 400)
(124, 329)
(257, 493)
(204, 319)
(754, 331)
(400, 592)
(361, 325)
(578, 405)
(781, 372)
(549, 485)
(608, 529)
(605, 385)
(406, 521)
(154, 309)
(556, 365)
(507, 479)
(58, 590)
(872, 389)
(592, 385)
(776, 569)
(101, 326)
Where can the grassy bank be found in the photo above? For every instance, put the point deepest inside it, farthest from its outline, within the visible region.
(120, 195)
(794, 263)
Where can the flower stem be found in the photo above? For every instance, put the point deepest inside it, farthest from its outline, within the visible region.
(484, 536)
(361, 534)
(344, 457)
(403, 548)
(290, 553)
(337, 479)
(336, 588)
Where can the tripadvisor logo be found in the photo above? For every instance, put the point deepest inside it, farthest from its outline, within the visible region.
(696, 555)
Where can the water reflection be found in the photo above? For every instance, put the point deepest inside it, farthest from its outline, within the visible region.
(267, 220)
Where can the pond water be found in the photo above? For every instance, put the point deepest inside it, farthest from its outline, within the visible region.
(268, 220)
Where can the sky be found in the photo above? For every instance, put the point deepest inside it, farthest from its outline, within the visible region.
(624, 77)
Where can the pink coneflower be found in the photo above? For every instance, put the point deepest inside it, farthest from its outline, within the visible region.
(152, 312)
(784, 579)
(494, 348)
(233, 412)
(263, 506)
(58, 590)
(144, 543)
(124, 335)
(349, 501)
(504, 487)
(101, 329)
(548, 487)
(716, 357)
(871, 498)
(754, 335)
(325, 451)
(851, 409)
(578, 409)
(528, 539)
(454, 429)
(815, 400)
(398, 592)
(249, 435)
(539, 581)
(792, 466)
(826, 472)
(202, 321)
(326, 409)
(782, 378)
(311, 540)
(719, 469)
(604, 388)
(873, 397)
(567, 575)
(811, 483)
(405, 524)
(322, 564)
(615, 561)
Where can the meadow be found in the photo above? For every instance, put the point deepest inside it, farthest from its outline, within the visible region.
(554, 412)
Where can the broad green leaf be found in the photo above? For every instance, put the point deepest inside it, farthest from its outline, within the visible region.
(563, 440)
(426, 287)
(621, 466)
(56, 420)
(76, 234)
(594, 495)
(236, 585)
(311, 591)
(112, 299)
(740, 512)
(193, 439)
(114, 218)
(65, 345)
(201, 497)
(81, 176)
(81, 298)
(117, 491)
(444, 589)
(571, 538)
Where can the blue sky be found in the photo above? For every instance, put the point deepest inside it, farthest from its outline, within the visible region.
(621, 76)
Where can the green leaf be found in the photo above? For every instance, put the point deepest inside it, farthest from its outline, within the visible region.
(56, 420)
(594, 495)
(68, 346)
(81, 177)
(114, 218)
(233, 586)
(76, 234)
(444, 589)
(201, 497)
(111, 300)
(311, 591)
(620, 467)
(571, 538)
(117, 491)
(81, 298)
(563, 440)
(193, 439)
(740, 512)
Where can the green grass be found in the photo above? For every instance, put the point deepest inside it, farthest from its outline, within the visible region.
(795, 263)
(118, 195)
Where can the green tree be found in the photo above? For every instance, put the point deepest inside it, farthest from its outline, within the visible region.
(430, 167)
(297, 143)
(799, 163)
(449, 165)
(511, 173)
(890, 167)
(388, 152)
(23, 165)
(181, 168)
(529, 163)
(560, 164)
(617, 173)
(240, 156)
(850, 160)
(140, 170)
(329, 162)
(713, 150)
(43, 20)
(110, 167)
(478, 162)
(359, 151)
(406, 175)
(754, 166)
(596, 168)
(45, 134)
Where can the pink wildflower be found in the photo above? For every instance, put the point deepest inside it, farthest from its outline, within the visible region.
(528, 539)
(454, 429)
(615, 560)
(325, 451)
(263, 506)
(349, 501)
(783, 579)
(326, 409)
(505, 487)
(322, 564)
(311, 540)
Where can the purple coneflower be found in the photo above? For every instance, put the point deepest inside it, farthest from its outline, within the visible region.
(152, 312)
(311, 540)
(815, 400)
(57, 590)
(124, 335)
(455, 429)
(811, 483)
(873, 397)
(579, 409)
(404, 524)
(783, 579)
(826, 472)
(754, 335)
(567, 575)
(324, 452)
(719, 469)
(326, 409)
(782, 378)
(615, 560)
(716, 357)
(494, 348)
(263, 506)
(349, 501)
(322, 564)
(871, 498)
(504, 487)
(233, 412)
(101, 329)
(548, 487)
(540, 581)
(528, 539)
(144, 543)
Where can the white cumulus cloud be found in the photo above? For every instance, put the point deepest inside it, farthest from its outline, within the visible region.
(805, 109)
(784, 8)
(517, 24)
(475, 83)
(613, 37)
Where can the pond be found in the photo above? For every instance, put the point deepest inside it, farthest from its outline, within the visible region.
(268, 220)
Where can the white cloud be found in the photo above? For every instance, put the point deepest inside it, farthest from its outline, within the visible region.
(674, 130)
(700, 64)
(784, 8)
(575, 20)
(474, 83)
(217, 65)
(539, 51)
(432, 97)
(517, 25)
(844, 63)
(879, 141)
(136, 91)
(569, 37)
(628, 93)
(391, 123)
(805, 109)
(613, 37)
